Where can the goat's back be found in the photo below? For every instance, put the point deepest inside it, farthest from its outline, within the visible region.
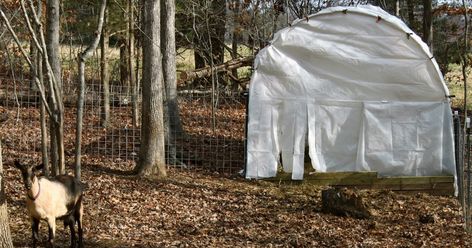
(72, 185)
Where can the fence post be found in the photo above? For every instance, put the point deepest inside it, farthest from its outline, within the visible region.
(468, 200)
(459, 154)
(246, 94)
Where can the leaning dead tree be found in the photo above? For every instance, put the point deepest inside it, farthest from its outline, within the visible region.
(224, 67)
(83, 56)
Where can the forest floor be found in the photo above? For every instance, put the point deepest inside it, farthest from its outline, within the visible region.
(198, 209)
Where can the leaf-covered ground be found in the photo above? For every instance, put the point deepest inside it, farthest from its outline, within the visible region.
(193, 209)
(202, 209)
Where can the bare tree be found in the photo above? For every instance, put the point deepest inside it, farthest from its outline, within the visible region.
(169, 65)
(218, 23)
(397, 8)
(53, 51)
(411, 13)
(152, 153)
(5, 235)
(53, 105)
(173, 124)
(428, 23)
(131, 64)
(37, 70)
(83, 56)
(104, 73)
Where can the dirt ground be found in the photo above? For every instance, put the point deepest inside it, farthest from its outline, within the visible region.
(197, 209)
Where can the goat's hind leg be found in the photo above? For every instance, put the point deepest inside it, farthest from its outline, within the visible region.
(70, 221)
(35, 230)
(52, 230)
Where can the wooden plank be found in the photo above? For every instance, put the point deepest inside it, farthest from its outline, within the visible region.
(414, 180)
(325, 175)
(413, 186)
(437, 185)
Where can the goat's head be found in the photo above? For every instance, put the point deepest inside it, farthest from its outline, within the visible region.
(28, 173)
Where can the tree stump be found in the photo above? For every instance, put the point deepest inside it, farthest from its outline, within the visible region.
(344, 202)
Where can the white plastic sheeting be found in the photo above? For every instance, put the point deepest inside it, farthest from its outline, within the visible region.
(361, 86)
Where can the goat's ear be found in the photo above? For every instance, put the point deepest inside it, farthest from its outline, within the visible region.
(38, 167)
(18, 164)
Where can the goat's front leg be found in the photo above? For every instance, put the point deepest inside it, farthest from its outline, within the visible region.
(52, 230)
(35, 230)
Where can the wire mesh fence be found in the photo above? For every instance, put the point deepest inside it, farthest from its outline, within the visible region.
(212, 136)
(463, 144)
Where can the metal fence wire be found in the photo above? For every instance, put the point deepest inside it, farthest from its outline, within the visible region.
(463, 165)
(212, 137)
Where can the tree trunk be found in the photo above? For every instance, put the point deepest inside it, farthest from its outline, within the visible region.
(35, 56)
(199, 39)
(53, 145)
(411, 14)
(428, 24)
(465, 65)
(218, 20)
(397, 8)
(44, 139)
(5, 235)
(53, 50)
(152, 153)
(131, 67)
(43, 119)
(173, 125)
(124, 74)
(199, 59)
(43, 114)
(52, 38)
(169, 66)
(236, 34)
(105, 74)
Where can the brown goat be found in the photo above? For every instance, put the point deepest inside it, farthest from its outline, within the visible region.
(54, 198)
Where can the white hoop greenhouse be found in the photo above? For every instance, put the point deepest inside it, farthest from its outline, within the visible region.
(361, 86)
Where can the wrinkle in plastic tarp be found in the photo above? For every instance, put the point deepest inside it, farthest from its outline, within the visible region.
(362, 93)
